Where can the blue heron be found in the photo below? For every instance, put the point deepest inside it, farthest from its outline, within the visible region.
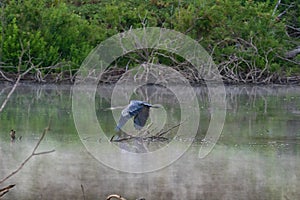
(137, 109)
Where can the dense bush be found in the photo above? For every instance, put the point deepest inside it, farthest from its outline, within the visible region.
(246, 38)
(48, 32)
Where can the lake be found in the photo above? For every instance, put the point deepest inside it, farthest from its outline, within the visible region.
(257, 155)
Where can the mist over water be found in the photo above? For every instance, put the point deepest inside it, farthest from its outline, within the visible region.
(256, 157)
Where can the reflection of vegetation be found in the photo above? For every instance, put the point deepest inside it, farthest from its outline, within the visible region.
(259, 115)
(248, 39)
(252, 112)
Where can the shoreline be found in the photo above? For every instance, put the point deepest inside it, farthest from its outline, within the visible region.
(202, 84)
(295, 80)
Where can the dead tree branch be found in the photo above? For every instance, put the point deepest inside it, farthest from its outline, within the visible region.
(18, 79)
(5, 77)
(160, 134)
(145, 134)
(5, 190)
(9, 94)
(13, 89)
(284, 12)
(277, 4)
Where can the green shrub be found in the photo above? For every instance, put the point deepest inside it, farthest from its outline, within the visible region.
(50, 33)
(54, 31)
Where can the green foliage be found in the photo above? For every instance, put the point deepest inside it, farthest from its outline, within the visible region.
(47, 32)
(244, 29)
(67, 30)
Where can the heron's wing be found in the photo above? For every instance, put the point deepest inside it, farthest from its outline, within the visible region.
(122, 121)
(134, 107)
(125, 116)
(141, 118)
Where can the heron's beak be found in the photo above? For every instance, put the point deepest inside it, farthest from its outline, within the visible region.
(114, 108)
(157, 106)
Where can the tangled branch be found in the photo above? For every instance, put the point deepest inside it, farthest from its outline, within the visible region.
(145, 134)
(35, 71)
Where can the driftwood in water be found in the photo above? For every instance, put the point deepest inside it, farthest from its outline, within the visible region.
(145, 135)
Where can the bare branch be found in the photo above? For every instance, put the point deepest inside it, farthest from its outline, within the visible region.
(9, 94)
(293, 28)
(284, 12)
(160, 134)
(18, 79)
(145, 134)
(5, 77)
(277, 4)
(5, 190)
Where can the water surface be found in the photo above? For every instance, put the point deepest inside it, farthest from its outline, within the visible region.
(256, 157)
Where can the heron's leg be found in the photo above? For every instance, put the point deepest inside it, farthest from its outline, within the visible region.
(120, 136)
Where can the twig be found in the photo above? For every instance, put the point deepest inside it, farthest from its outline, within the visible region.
(160, 134)
(122, 139)
(284, 12)
(5, 190)
(277, 4)
(294, 28)
(143, 135)
(6, 78)
(82, 189)
(34, 153)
